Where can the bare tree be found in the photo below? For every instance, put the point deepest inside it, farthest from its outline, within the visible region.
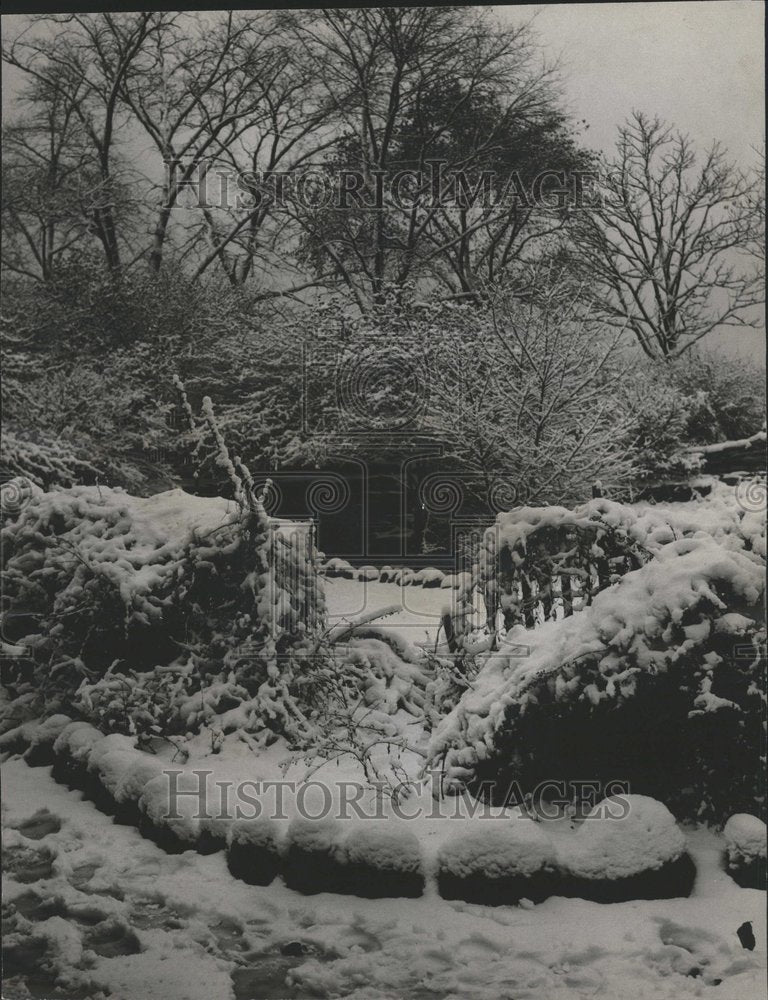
(666, 247)
(47, 198)
(288, 121)
(200, 91)
(84, 59)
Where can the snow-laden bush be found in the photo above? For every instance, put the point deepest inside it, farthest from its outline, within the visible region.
(659, 681)
(253, 849)
(745, 837)
(497, 849)
(499, 861)
(745, 850)
(621, 838)
(159, 614)
(379, 846)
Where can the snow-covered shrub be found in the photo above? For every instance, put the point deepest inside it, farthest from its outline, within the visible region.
(138, 772)
(726, 395)
(174, 830)
(314, 857)
(745, 848)
(253, 850)
(621, 837)
(145, 623)
(384, 861)
(71, 751)
(35, 739)
(627, 848)
(659, 682)
(499, 861)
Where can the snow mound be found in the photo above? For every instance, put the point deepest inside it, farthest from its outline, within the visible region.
(385, 849)
(622, 837)
(258, 832)
(155, 803)
(323, 836)
(77, 740)
(497, 849)
(745, 838)
(139, 771)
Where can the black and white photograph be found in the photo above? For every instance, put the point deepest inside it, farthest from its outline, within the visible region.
(383, 479)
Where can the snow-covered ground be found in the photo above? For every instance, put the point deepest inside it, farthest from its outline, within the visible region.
(99, 911)
(417, 621)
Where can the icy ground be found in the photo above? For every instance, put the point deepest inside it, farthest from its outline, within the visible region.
(98, 911)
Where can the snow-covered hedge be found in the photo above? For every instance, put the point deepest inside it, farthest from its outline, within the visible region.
(658, 680)
(161, 614)
(497, 862)
(428, 577)
(745, 840)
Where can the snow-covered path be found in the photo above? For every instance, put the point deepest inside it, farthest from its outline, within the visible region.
(418, 620)
(96, 910)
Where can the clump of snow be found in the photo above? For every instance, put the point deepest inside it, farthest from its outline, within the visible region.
(323, 836)
(77, 740)
(745, 838)
(111, 767)
(257, 832)
(155, 803)
(140, 769)
(622, 837)
(380, 846)
(367, 573)
(497, 849)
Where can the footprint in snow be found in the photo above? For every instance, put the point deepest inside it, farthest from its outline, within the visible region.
(40, 825)
(27, 864)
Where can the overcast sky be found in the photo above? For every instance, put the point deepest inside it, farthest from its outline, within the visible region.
(699, 65)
